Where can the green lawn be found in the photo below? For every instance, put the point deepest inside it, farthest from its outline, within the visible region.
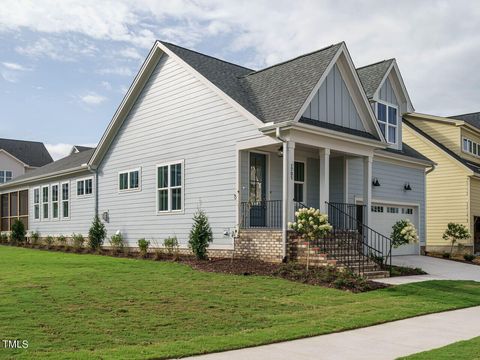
(462, 350)
(103, 307)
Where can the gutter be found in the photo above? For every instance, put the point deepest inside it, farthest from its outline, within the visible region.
(433, 167)
(284, 193)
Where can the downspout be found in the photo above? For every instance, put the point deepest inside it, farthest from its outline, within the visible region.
(95, 172)
(284, 194)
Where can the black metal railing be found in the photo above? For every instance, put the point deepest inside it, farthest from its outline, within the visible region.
(355, 244)
(263, 214)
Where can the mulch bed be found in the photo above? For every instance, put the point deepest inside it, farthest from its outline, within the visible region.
(406, 271)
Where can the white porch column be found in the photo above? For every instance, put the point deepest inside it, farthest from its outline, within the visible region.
(288, 209)
(324, 179)
(367, 188)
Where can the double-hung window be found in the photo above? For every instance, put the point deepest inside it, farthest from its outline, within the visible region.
(471, 147)
(65, 200)
(299, 181)
(36, 203)
(129, 180)
(5, 176)
(388, 121)
(84, 187)
(45, 200)
(55, 209)
(170, 187)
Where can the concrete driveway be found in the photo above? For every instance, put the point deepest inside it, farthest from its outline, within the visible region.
(437, 269)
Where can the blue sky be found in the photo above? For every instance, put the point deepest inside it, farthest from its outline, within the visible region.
(65, 66)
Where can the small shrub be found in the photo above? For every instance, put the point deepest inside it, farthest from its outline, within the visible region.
(96, 234)
(171, 245)
(34, 237)
(454, 233)
(143, 246)
(49, 241)
(4, 238)
(61, 240)
(18, 232)
(469, 257)
(78, 241)
(446, 255)
(403, 232)
(117, 243)
(201, 235)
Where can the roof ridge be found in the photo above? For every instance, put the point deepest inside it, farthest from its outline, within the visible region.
(375, 63)
(210, 56)
(292, 59)
(30, 141)
(470, 113)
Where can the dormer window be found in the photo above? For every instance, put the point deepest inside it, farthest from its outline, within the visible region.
(388, 121)
(471, 147)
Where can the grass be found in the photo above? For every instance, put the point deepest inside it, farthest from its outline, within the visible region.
(89, 306)
(462, 350)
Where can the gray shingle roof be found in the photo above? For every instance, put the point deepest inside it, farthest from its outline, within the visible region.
(408, 151)
(273, 94)
(372, 75)
(472, 118)
(67, 163)
(32, 153)
(81, 148)
(343, 129)
(471, 165)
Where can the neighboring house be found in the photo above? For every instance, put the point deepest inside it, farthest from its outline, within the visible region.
(453, 189)
(18, 157)
(249, 147)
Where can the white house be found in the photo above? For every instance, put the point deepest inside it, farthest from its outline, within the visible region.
(249, 147)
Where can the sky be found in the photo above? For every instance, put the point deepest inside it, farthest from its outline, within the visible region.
(66, 65)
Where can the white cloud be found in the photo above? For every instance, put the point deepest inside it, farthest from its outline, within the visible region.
(15, 66)
(11, 71)
(92, 99)
(59, 151)
(130, 53)
(116, 70)
(65, 49)
(106, 85)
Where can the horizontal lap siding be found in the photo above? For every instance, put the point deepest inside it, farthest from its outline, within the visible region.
(447, 189)
(82, 211)
(392, 178)
(176, 117)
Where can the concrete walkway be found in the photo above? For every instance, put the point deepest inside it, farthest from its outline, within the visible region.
(437, 269)
(386, 341)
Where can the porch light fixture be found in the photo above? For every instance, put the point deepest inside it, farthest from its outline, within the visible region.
(407, 187)
(375, 182)
(280, 151)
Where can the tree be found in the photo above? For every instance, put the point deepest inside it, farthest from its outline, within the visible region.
(311, 224)
(200, 235)
(96, 234)
(18, 232)
(454, 233)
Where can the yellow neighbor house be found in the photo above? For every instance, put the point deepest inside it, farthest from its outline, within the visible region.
(453, 188)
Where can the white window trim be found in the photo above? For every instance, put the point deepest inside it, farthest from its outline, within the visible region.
(466, 151)
(304, 182)
(84, 195)
(62, 200)
(387, 124)
(5, 176)
(39, 204)
(128, 190)
(170, 211)
(58, 201)
(42, 217)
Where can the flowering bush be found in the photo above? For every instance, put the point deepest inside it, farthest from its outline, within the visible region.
(403, 233)
(310, 224)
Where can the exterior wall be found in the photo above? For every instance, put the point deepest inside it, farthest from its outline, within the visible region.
(337, 178)
(447, 190)
(82, 210)
(474, 207)
(176, 117)
(333, 104)
(263, 245)
(8, 163)
(392, 178)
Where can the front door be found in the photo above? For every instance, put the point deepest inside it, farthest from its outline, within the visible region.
(257, 189)
(476, 234)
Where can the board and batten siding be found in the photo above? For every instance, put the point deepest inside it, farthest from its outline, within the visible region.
(333, 104)
(176, 117)
(82, 210)
(447, 189)
(392, 178)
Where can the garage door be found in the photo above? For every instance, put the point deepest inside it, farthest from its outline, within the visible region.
(384, 216)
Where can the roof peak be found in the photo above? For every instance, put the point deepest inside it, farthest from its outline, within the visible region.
(295, 58)
(376, 63)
